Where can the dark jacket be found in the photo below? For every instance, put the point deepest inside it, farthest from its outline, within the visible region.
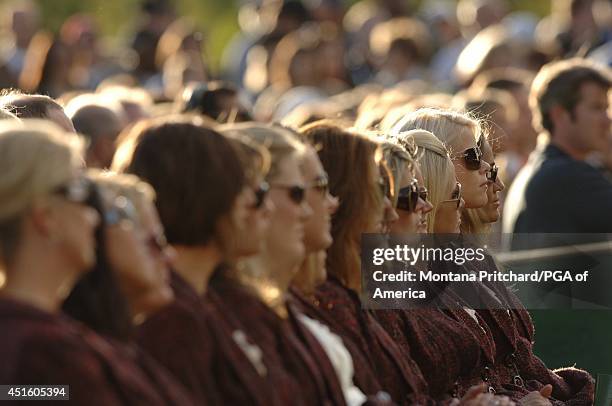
(555, 193)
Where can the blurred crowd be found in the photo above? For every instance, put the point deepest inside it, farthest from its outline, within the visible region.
(172, 235)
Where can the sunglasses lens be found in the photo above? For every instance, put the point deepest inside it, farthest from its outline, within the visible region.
(297, 193)
(492, 174)
(472, 159)
(408, 198)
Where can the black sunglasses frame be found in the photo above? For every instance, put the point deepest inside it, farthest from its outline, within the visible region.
(408, 197)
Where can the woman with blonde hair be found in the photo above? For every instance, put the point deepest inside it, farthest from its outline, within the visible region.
(444, 192)
(255, 292)
(409, 196)
(431, 336)
(46, 244)
(479, 221)
(128, 283)
(460, 135)
(490, 302)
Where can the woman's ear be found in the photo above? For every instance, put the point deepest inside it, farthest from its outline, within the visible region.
(42, 218)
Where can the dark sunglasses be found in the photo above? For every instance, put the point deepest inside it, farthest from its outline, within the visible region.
(472, 158)
(78, 190)
(321, 184)
(423, 193)
(408, 197)
(456, 196)
(492, 173)
(296, 193)
(260, 194)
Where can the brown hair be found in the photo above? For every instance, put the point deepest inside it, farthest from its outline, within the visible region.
(559, 83)
(196, 172)
(348, 159)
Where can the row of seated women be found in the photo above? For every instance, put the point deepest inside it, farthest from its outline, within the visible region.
(220, 265)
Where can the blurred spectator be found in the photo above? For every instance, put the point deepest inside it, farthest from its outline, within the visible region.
(156, 16)
(46, 67)
(401, 47)
(441, 16)
(587, 25)
(135, 102)
(36, 106)
(558, 191)
(87, 112)
(89, 66)
(218, 100)
(20, 21)
(490, 48)
(178, 59)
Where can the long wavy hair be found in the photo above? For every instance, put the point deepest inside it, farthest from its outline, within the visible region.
(351, 162)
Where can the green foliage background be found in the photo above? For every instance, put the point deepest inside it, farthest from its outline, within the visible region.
(216, 18)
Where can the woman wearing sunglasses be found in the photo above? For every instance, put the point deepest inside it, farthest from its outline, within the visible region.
(46, 244)
(354, 177)
(312, 273)
(460, 134)
(430, 336)
(128, 283)
(444, 191)
(409, 197)
(184, 160)
(509, 321)
(502, 367)
(257, 289)
(478, 221)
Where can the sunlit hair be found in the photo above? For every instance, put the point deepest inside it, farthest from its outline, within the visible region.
(4, 115)
(446, 125)
(436, 166)
(113, 185)
(256, 159)
(350, 160)
(281, 142)
(396, 158)
(36, 157)
(484, 105)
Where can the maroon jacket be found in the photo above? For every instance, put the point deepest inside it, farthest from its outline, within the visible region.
(515, 370)
(443, 348)
(379, 362)
(191, 340)
(39, 348)
(297, 367)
